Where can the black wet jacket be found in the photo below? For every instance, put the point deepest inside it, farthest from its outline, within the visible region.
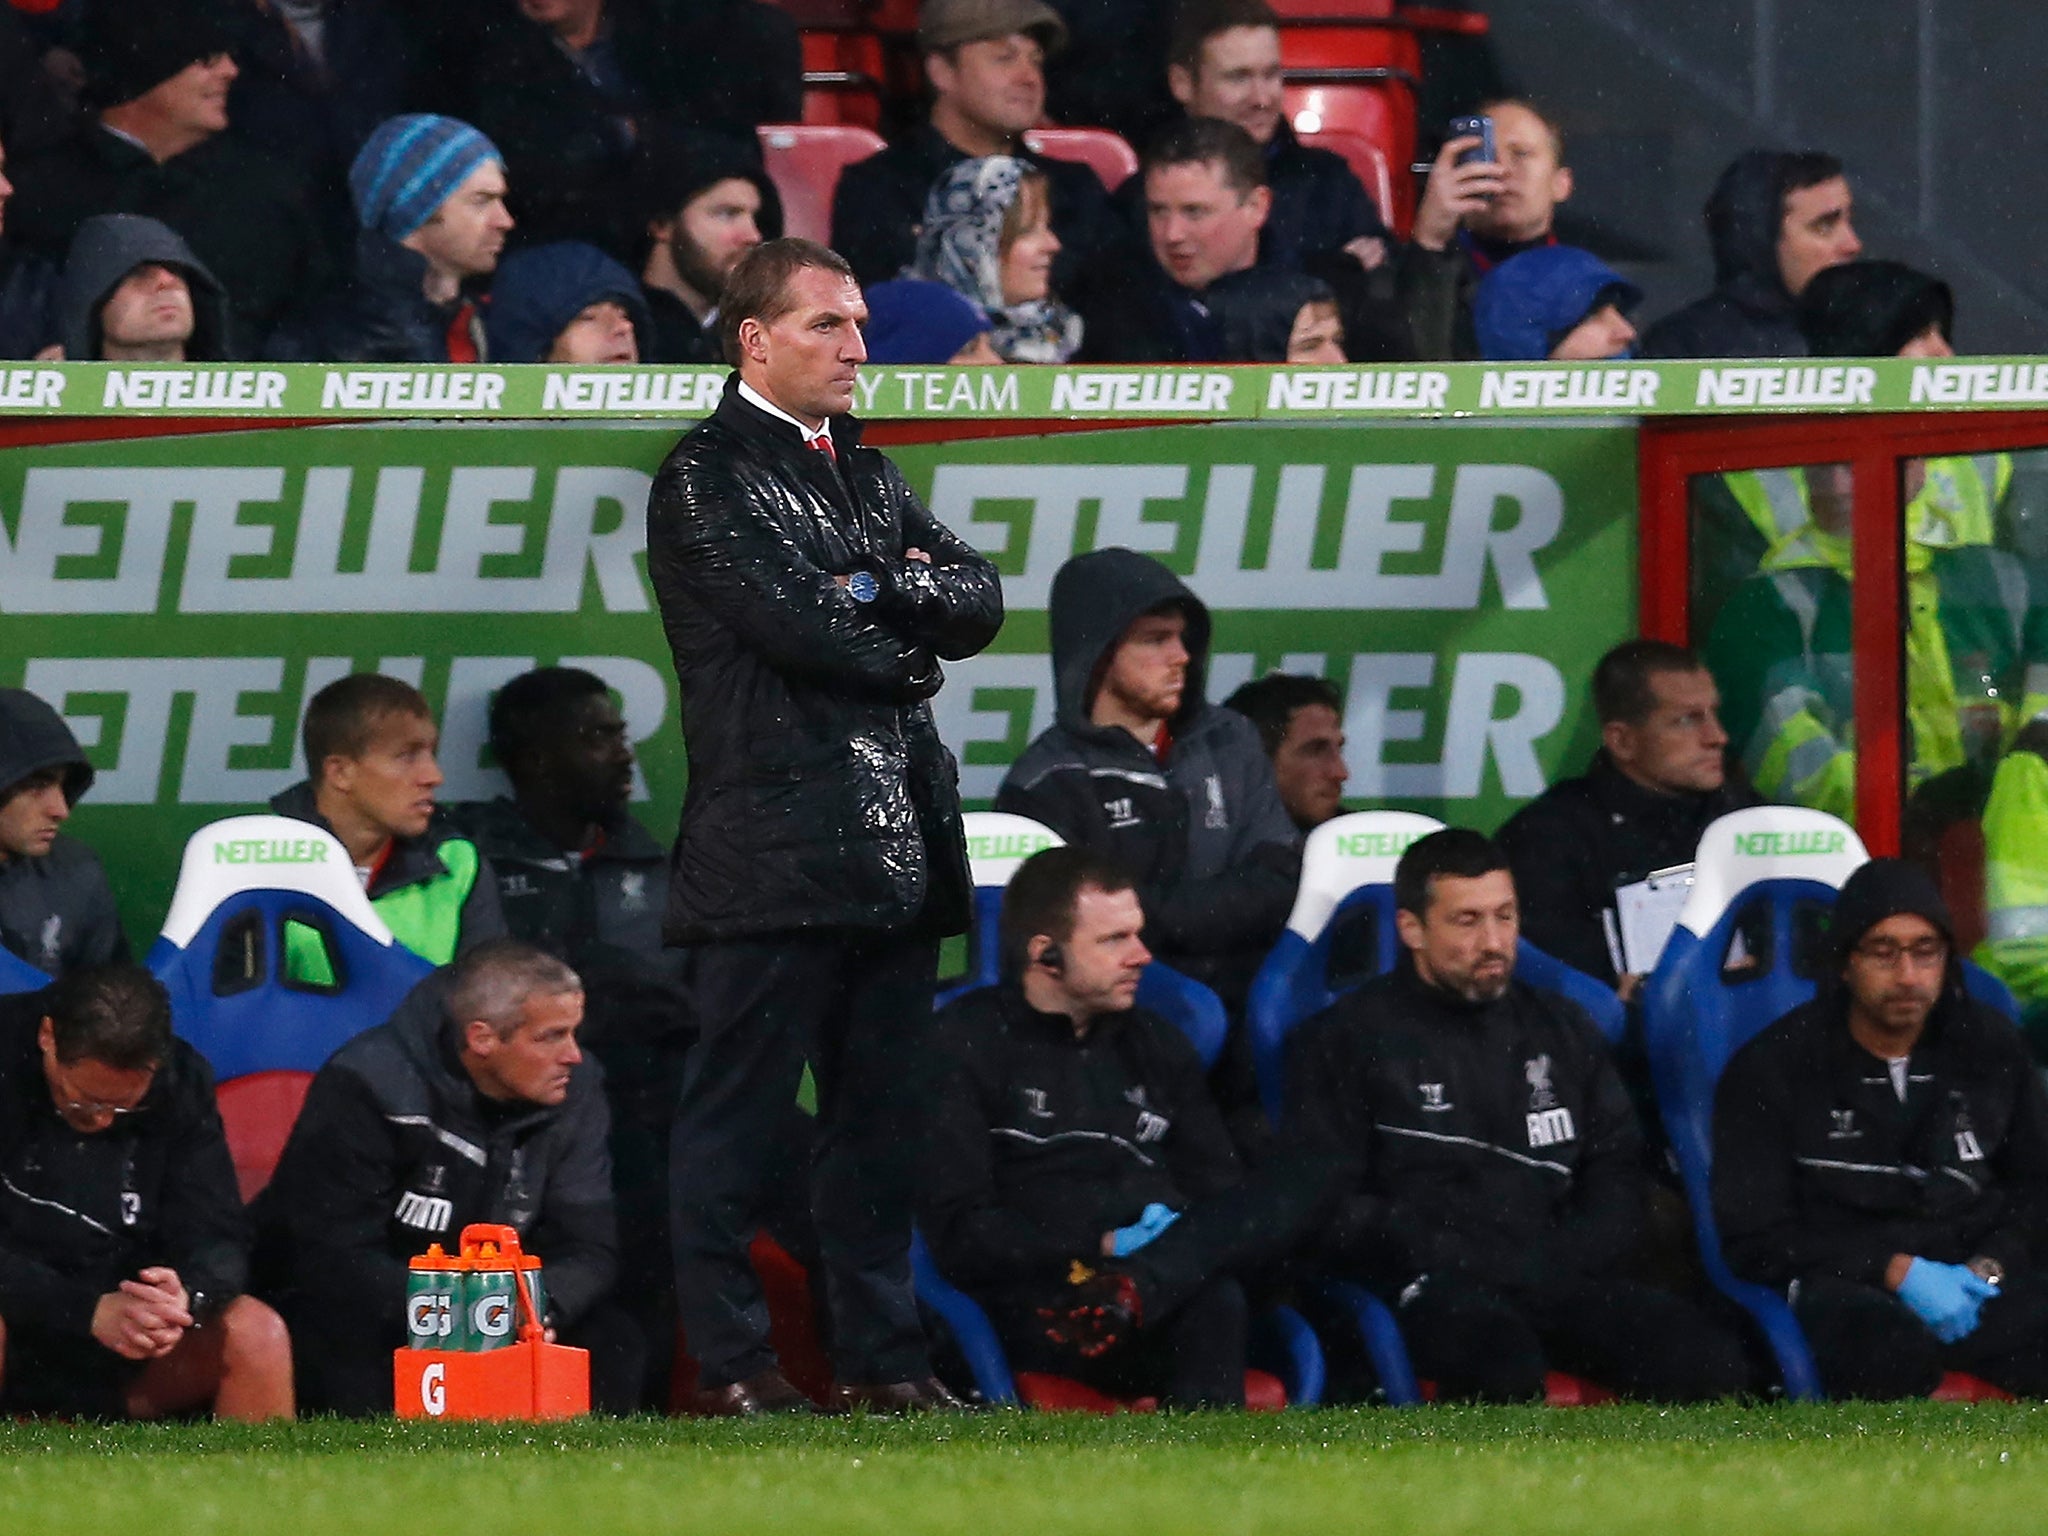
(81, 1212)
(106, 249)
(1582, 839)
(56, 912)
(395, 1149)
(1041, 1142)
(1204, 833)
(1492, 1140)
(1819, 1169)
(820, 795)
(382, 314)
(1749, 312)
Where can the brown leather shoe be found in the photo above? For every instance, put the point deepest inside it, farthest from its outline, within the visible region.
(769, 1392)
(926, 1396)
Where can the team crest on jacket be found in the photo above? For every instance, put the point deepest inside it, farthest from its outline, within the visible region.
(632, 891)
(1549, 1122)
(1968, 1149)
(426, 1213)
(1217, 816)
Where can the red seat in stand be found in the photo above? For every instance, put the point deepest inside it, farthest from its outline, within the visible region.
(1106, 154)
(804, 161)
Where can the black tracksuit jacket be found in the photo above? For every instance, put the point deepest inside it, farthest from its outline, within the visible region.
(81, 1212)
(1494, 1140)
(1041, 1142)
(1820, 1170)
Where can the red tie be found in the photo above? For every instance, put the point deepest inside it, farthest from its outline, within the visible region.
(824, 445)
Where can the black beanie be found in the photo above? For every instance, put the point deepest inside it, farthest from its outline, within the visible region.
(671, 166)
(130, 47)
(1871, 309)
(1880, 889)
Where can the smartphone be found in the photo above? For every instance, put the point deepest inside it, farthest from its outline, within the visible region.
(1469, 127)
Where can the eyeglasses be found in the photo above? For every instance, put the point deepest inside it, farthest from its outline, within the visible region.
(1888, 952)
(92, 1109)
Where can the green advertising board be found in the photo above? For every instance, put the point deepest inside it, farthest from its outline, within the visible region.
(180, 598)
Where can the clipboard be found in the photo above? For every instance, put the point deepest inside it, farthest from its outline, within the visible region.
(1646, 912)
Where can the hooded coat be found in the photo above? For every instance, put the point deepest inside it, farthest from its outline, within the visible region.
(56, 912)
(539, 290)
(1749, 312)
(1202, 831)
(820, 795)
(1822, 1169)
(105, 251)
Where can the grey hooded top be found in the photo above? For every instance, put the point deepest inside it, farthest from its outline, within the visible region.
(56, 911)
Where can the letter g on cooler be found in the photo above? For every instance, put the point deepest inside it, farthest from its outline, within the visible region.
(434, 1389)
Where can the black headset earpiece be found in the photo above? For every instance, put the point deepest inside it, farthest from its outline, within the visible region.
(1051, 958)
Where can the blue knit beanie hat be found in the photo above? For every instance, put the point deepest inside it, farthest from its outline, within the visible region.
(1531, 302)
(912, 321)
(410, 166)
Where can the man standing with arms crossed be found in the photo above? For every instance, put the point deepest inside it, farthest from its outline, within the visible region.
(808, 598)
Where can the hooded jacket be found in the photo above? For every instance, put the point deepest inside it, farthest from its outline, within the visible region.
(1490, 1140)
(1203, 833)
(106, 249)
(1749, 312)
(539, 290)
(81, 1212)
(56, 912)
(1582, 839)
(819, 795)
(438, 895)
(1821, 1168)
(395, 1149)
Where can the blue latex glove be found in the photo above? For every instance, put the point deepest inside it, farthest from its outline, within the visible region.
(1152, 1221)
(1946, 1297)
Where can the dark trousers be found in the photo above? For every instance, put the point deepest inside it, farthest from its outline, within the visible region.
(857, 1008)
(1192, 1356)
(1868, 1343)
(1478, 1342)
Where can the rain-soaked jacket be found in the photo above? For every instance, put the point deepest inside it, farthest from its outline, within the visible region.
(1749, 312)
(820, 795)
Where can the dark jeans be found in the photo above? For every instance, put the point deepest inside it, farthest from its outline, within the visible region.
(1478, 1342)
(858, 1009)
(1868, 1343)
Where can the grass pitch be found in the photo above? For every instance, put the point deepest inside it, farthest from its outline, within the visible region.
(1752, 1471)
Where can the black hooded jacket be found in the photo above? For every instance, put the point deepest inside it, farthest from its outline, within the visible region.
(82, 1211)
(1582, 839)
(820, 795)
(1491, 1140)
(1749, 312)
(110, 246)
(57, 911)
(1203, 833)
(1821, 1169)
(395, 1149)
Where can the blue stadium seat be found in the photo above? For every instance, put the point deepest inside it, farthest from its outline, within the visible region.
(1742, 955)
(997, 843)
(245, 884)
(17, 975)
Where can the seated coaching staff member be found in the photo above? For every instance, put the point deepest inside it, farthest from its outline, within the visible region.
(473, 1103)
(809, 598)
(123, 1247)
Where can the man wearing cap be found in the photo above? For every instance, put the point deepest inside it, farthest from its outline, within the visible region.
(704, 201)
(157, 78)
(1554, 301)
(1881, 1156)
(429, 195)
(986, 63)
(56, 908)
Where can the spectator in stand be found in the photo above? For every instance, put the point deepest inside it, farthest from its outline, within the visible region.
(158, 73)
(133, 292)
(27, 287)
(1554, 301)
(1205, 202)
(56, 908)
(1475, 216)
(1292, 319)
(987, 234)
(1489, 1162)
(705, 202)
(1079, 1180)
(1224, 63)
(472, 1103)
(1301, 726)
(1881, 1155)
(986, 63)
(915, 322)
(34, 110)
(1659, 778)
(568, 87)
(1141, 769)
(1109, 73)
(580, 877)
(566, 303)
(430, 198)
(1774, 220)
(369, 747)
(123, 1245)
